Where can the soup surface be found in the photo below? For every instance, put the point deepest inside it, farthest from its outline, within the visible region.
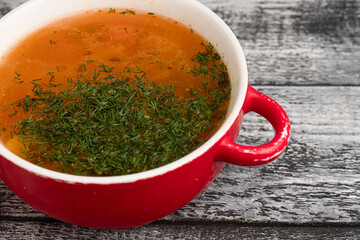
(111, 92)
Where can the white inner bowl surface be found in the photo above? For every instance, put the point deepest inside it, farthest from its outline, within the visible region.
(35, 14)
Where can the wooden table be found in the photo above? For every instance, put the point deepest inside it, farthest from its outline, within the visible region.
(306, 55)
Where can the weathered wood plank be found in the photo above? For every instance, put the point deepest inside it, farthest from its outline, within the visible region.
(309, 42)
(317, 180)
(302, 42)
(7, 5)
(12, 230)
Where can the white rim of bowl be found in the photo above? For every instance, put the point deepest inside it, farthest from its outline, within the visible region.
(229, 121)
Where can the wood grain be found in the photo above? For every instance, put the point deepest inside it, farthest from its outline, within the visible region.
(296, 42)
(11, 230)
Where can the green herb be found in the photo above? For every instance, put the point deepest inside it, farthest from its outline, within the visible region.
(127, 11)
(111, 10)
(125, 30)
(210, 64)
(17, 77)
(52, 42)
(52, 76)
(106, 123)
(150, 13)
(150, 53)
(90, 61)
(130, 11)
(13, 114)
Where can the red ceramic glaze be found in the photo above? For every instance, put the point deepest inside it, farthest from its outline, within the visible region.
(122, 202)
(231, 152)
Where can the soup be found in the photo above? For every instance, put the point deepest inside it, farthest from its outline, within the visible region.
(111, 92)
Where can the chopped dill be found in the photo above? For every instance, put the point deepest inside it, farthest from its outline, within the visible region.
(150, 53)
(128, 11)
(18, 79)
(116, 123)
(90, 61)
(52, 76)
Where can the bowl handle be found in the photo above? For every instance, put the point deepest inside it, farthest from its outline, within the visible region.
(242, 155)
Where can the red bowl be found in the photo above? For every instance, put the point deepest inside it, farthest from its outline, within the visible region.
(121, 202)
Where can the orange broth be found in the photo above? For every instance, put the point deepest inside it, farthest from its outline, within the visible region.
(161, 47)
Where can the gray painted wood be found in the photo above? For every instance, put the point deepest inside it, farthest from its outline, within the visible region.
(305, 54)
(302, 42)
(11, 230)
